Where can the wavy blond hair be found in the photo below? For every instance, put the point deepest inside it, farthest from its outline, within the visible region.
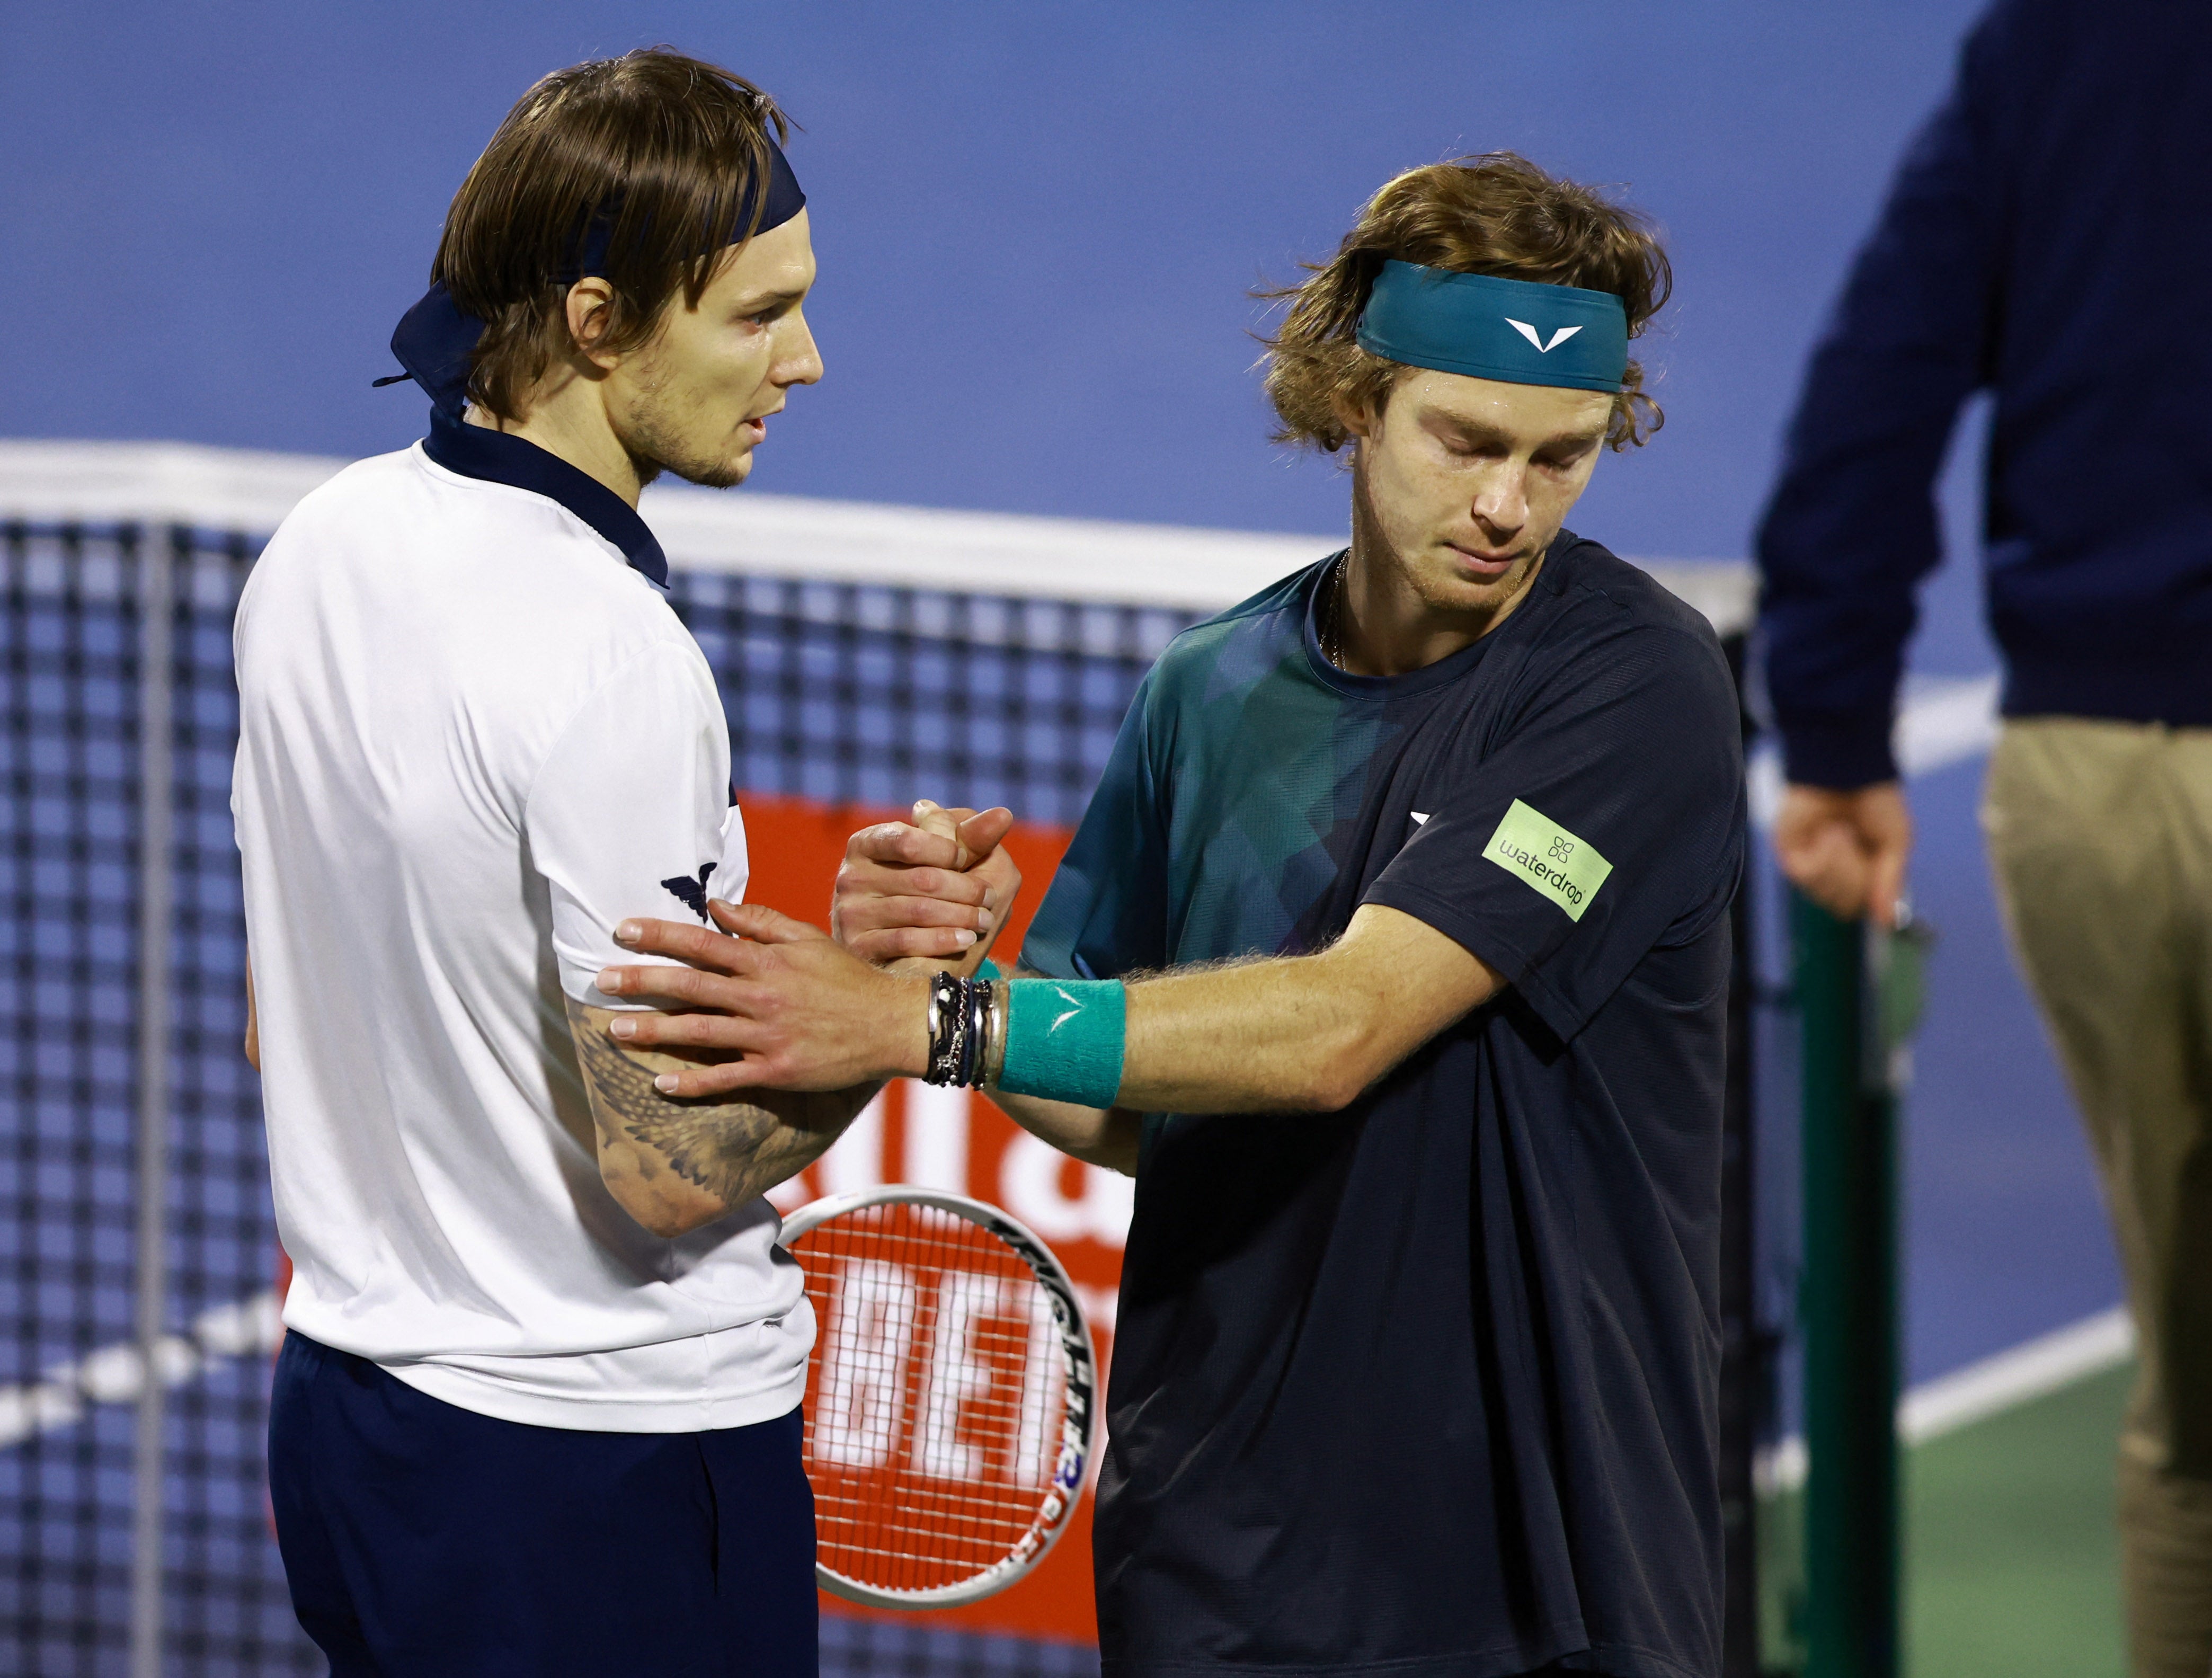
(1495, 214)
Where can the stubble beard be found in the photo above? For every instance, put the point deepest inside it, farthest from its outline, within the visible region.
(656, 443)
(1374, 548)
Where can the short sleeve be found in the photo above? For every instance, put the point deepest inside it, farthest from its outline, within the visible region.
(1106, 912)
(1607, 821)
(630, 813)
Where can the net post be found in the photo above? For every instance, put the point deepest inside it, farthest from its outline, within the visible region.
(156, 671)
(1852, 1072)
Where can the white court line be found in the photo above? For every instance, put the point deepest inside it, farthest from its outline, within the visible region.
(1946, 721)
(111, 1375)
(1980, 1390)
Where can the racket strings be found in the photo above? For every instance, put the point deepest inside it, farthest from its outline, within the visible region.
(939, 1399)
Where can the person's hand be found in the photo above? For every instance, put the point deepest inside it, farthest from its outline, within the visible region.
(805, 1013)
(938, 887)
(1846, 851)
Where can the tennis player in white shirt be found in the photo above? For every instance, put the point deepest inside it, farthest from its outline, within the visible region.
(536, 1409)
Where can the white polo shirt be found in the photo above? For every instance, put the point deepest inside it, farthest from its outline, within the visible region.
(472, 737)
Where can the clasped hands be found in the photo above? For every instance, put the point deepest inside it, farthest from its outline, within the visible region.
(801, 1009)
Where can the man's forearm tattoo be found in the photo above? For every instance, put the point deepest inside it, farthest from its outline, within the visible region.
(731, 1149)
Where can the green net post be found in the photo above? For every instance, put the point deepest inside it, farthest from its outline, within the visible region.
(1859, 992)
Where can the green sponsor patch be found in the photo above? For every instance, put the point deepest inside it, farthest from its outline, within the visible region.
(1531, 845)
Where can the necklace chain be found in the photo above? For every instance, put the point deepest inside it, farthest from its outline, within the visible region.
(1332, 622)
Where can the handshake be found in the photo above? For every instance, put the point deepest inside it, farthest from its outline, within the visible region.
(769, 1002)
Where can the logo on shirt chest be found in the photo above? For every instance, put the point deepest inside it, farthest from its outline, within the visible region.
(691, 892)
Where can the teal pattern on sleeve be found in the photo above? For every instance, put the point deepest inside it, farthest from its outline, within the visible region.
(1216, 830)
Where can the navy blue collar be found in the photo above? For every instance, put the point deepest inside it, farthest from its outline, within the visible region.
(476, 451)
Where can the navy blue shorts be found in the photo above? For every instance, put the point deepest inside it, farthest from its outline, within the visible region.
(421, 1540)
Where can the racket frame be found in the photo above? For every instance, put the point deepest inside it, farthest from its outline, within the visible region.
(1078, 1427)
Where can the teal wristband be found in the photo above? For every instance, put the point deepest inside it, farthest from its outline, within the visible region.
(1065, 1039)
(989, 969)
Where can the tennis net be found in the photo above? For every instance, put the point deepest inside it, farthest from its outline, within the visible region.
(865, 654)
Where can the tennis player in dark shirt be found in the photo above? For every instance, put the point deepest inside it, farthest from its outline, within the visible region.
(1418, 1348)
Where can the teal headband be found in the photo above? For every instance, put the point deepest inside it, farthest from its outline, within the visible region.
(1489, 328)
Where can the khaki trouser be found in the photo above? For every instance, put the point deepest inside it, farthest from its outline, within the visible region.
(2101, 835)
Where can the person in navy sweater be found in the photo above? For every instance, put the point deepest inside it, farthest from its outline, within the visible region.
(2046, 241)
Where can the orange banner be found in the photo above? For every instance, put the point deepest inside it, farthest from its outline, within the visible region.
(948, 1139)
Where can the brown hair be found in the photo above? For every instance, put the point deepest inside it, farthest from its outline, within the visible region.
(1493, 214)
(660, 151)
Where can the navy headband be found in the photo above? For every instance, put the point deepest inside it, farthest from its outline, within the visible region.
(1490, 328)
(434, 340)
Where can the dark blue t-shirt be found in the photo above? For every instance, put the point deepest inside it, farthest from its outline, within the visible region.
(1429, 1384)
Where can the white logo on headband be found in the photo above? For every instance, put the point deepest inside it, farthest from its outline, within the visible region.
(1529, 333)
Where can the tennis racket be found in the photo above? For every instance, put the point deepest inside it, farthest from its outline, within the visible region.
(951, 1401)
